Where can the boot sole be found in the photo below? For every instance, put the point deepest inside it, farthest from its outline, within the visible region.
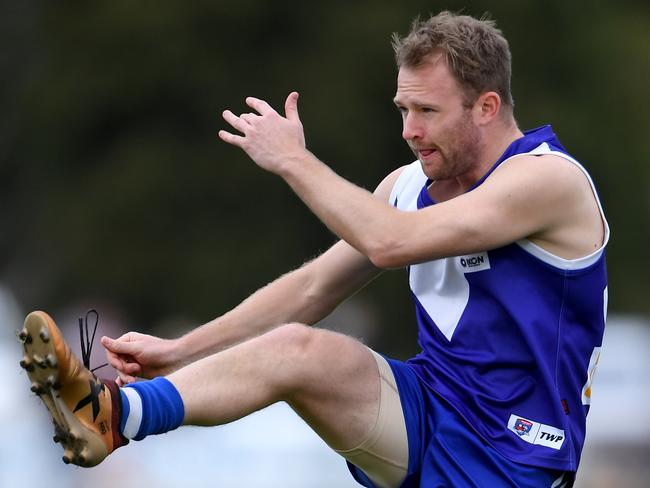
(81, 445)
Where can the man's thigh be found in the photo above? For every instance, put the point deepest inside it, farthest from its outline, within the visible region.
(331, 380)
(334, 384)
(347, 394)
(384, 454)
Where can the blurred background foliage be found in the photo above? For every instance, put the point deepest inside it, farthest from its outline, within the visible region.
(115, 189)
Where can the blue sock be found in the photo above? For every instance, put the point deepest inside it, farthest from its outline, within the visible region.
(150, 407)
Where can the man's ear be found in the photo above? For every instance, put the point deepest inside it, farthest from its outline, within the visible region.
(487, 107)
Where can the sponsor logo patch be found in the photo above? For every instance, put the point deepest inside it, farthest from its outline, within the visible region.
(535, 432)
(474, 262)
(522, 427)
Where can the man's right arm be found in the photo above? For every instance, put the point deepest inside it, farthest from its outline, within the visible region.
(305, 295)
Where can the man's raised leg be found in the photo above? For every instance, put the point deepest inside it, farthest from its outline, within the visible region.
(332, 381)
(344, 391)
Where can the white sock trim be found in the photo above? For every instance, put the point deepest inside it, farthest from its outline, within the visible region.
(134, 419)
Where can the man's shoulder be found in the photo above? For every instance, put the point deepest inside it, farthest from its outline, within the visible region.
(552, 167)
(406, 183)
(386, 189)
(414, 168)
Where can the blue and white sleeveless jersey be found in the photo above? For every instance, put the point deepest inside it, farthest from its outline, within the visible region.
(511, 337)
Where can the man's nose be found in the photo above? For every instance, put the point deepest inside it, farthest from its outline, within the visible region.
(411, 128)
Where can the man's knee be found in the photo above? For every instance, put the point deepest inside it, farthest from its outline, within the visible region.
(309, 356)
(293, 340)
(293, 345)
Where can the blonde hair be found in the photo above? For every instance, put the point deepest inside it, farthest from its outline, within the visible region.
(475, 50)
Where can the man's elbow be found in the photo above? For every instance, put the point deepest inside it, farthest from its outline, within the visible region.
(387, 255)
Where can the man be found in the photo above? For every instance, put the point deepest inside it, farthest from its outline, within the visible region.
(504, 238)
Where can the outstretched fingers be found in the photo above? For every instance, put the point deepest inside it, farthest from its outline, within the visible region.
(268, 137)
(240, 123)
(291, 107)
(262, 107)
(233, 139)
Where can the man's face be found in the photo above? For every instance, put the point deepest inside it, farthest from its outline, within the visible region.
(437, 124)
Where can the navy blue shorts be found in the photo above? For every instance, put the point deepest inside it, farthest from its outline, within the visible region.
(444, 451)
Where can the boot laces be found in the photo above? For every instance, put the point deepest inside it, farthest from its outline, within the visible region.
(87, 340)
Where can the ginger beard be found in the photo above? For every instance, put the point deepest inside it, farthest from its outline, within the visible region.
(456, 149)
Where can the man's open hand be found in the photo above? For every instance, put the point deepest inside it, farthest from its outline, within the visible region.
(274, 142)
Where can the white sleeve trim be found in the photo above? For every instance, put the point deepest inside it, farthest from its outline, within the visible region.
(550, 258)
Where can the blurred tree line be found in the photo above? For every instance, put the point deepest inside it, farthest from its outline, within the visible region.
(115, 188)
